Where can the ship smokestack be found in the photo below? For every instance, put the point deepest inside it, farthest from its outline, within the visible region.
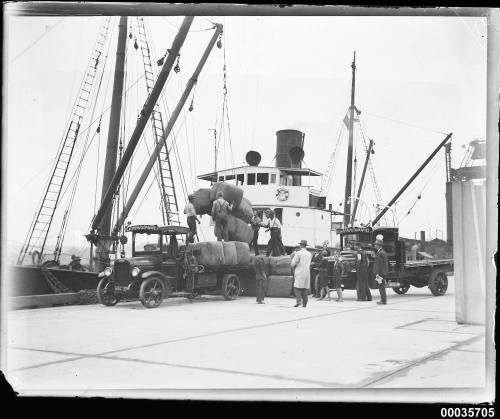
(289, 150)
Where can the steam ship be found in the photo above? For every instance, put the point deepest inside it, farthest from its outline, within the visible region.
(284, 188)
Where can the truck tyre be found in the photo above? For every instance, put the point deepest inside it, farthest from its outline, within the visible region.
(438, 282)
(106, 292)
(152, 292)
(402, 289)
(230, 286)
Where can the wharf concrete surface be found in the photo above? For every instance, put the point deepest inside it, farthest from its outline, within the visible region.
(411, 350)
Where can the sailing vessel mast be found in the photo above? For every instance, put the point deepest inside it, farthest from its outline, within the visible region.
(102, 250)
(348, 183)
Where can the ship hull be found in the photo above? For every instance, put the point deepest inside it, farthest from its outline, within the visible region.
(30, 280)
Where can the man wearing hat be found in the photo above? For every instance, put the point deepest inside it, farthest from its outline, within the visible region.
(220, 210)
(380, 268)
(301, 264)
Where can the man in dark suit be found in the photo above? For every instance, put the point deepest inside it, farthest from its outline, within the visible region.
(362, 288)
(380, 268)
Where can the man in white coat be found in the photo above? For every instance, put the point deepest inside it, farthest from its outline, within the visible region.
(301, 264)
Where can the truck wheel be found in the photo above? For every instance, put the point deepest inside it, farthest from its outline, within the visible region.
(403, 289)
(106, 292)
(230, 286)
(438, 282)
(152, 292)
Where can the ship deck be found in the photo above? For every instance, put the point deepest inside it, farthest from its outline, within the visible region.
(413, 344)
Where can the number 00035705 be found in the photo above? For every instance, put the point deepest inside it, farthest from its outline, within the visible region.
(467, 412)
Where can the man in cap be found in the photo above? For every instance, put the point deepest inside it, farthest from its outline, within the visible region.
(380, 268)
(192, 219)
(338, 269)
(301, 264)
(362, 288)
(275, 245)
(75, 264)
(220, 210)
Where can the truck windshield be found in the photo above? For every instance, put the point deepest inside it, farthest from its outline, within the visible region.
(143, 242)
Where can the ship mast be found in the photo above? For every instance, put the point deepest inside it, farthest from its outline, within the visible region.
(113, 136)
(348, 183)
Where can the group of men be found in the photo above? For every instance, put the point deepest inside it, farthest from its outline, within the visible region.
(301, 263)
(220, 211)
(301, 259)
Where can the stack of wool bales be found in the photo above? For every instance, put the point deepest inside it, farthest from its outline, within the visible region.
(279, 275)
(238, 220)
(214, 253)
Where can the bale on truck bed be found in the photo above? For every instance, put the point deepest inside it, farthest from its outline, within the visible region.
(201, 201)
(239, 230)
(281, 265)
(230, 255)
(244, 211)
(207, 253)
(231, 193)
(242, 253)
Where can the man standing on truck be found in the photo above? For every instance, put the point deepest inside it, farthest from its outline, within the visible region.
(275, 245)
(380, 268)
(192, 219)
(301, 264)
(220, 210)
(255, 223)
(362, 288)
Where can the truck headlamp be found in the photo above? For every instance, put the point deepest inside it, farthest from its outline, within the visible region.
(135, 272)
(108, 271)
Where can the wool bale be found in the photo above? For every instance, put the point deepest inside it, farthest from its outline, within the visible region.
(244, 211)
(280, 265)
(238, 230)
(280, 286)
(207, 253)
(231, 193)
(230, 255)
(242, 253)
(201, 201)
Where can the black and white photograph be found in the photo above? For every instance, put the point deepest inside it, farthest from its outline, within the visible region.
(250, 203)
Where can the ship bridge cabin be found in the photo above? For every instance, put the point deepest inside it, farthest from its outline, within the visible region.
(263, 184)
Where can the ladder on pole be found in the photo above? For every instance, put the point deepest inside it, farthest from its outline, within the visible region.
(169, 197)
(40, 226)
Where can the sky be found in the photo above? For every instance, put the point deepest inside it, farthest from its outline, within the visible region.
(417, 79)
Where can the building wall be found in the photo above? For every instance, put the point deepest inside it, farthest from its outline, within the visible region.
(470, 259)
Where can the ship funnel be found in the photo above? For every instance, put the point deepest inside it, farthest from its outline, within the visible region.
(296, 156)
(286, 140)
(253, 158)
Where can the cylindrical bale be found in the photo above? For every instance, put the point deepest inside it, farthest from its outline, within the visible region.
(201, 201)
(238, 230)
(231, 193)
(280, 286)
(207, 253)
(281, 265)
(242, 253)
(244, 211)
(230, 255)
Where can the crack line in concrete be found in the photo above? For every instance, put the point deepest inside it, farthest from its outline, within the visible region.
(419, 361)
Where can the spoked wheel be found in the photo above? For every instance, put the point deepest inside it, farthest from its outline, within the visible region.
(230, 286)
(438, 283)
(106, 292)
(152, 292)
(403, 289)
